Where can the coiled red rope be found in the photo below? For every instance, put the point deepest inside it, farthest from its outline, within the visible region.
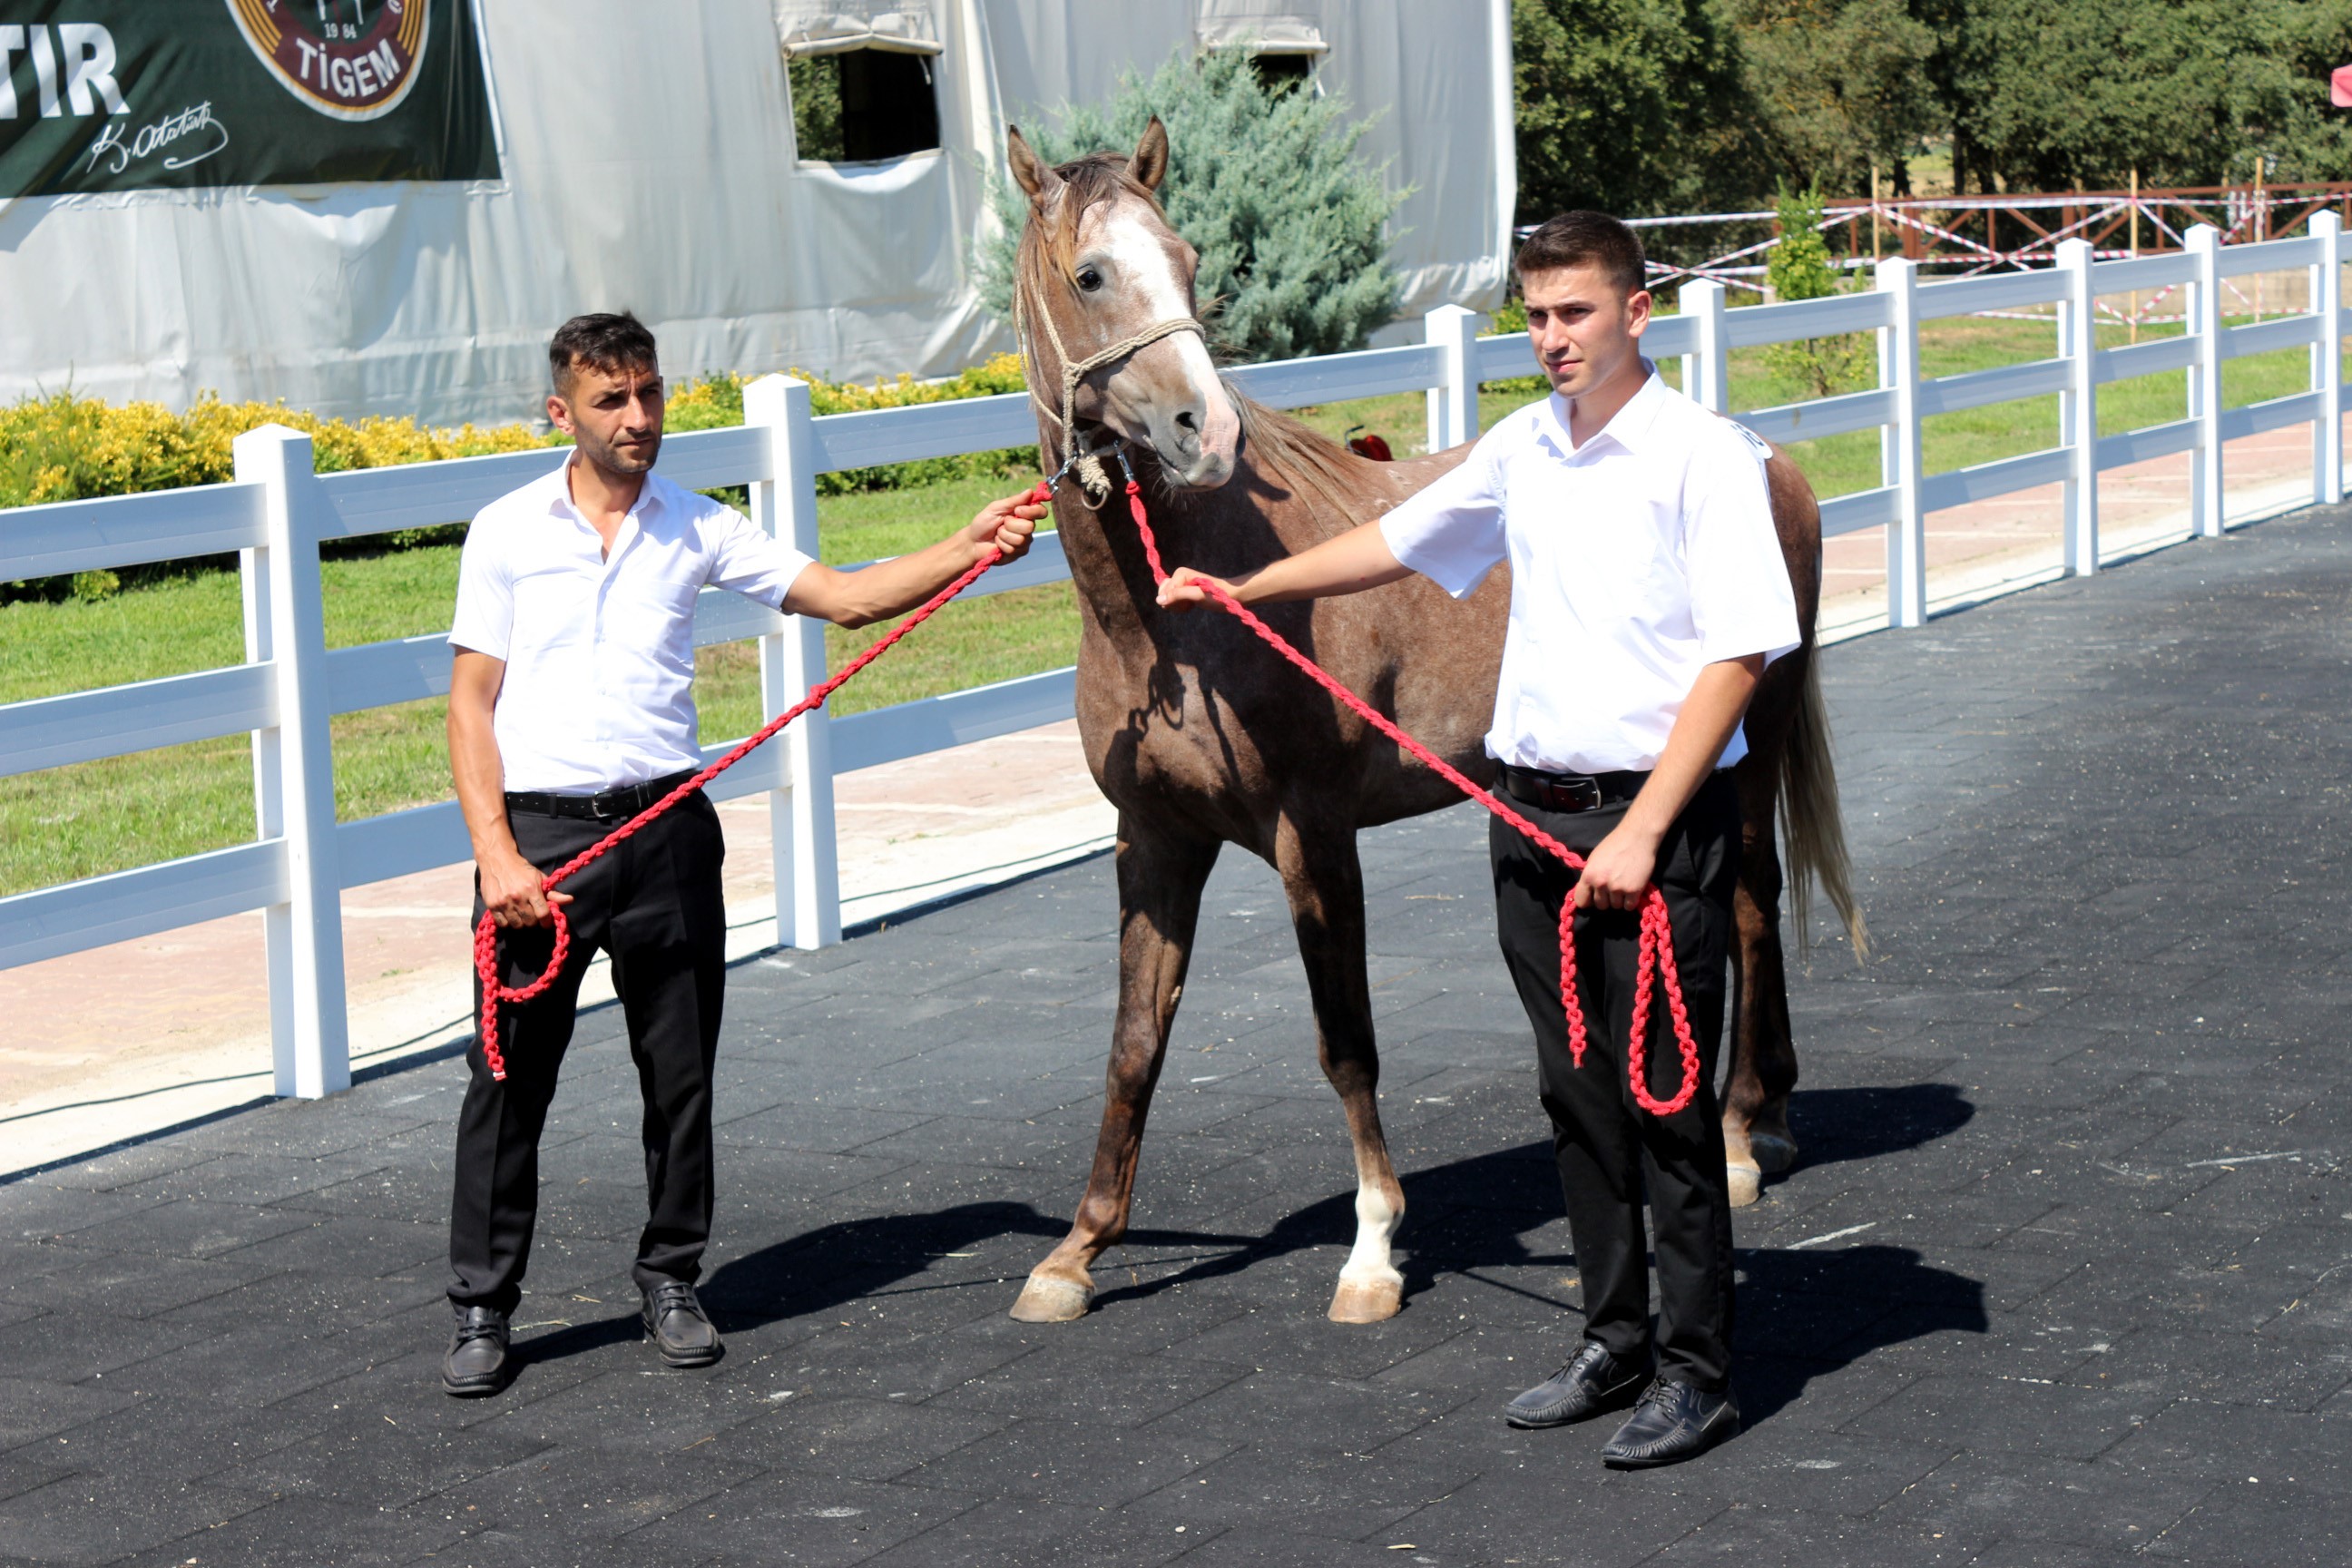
(1656, 962)
(486, 933)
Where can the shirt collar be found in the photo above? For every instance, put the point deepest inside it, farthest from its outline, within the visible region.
(1632, 426)
(650, 497)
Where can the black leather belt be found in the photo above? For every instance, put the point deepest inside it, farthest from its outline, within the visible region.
(1571, 792)
(604, 806)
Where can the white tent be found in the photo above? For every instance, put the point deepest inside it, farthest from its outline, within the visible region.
(647, 161)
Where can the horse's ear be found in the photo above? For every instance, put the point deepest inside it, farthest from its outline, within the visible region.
(1031, 173)
(1150, 164)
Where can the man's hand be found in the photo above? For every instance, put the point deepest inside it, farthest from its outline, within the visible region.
(1183, 590)
(1007, 525)
(1617, 873)
(512, 893)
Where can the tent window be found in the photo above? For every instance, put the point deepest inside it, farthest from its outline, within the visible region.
(1280, 73)
(860, 105)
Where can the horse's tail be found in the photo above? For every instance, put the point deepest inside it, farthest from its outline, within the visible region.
(1813, 831)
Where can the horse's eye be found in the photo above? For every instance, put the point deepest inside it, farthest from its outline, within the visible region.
(1089, 279)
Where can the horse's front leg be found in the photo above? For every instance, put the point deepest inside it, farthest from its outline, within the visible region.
(1325, 883)
(1756, 1139)
(1160, 877)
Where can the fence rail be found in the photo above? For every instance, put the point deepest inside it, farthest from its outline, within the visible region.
(279, 511)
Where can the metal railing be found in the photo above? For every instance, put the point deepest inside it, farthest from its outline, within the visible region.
(279, 511)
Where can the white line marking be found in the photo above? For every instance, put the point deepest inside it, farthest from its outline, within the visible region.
(1833, 1236)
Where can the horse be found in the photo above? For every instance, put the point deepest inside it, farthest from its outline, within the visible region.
(1201, 737)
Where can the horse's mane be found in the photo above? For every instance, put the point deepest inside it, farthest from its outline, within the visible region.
(1285, 449)
(1305, 459)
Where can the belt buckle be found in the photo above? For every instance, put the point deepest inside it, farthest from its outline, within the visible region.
(1584, 795)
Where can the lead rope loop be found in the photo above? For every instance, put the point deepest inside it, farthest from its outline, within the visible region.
(486, 933)
(1654, 969)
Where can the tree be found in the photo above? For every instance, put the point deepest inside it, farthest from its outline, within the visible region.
(2045, 97)
(1291, 227)
(1842, 85)
(1632, 107)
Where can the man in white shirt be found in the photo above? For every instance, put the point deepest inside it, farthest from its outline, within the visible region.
(571, 709)
(1647, 594)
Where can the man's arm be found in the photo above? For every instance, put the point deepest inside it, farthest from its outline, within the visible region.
(1621, 867)
(1349, 562)
(510, 884)
(893, 587)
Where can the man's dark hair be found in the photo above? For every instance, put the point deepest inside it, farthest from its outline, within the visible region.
(1585, 239)
(603, 342)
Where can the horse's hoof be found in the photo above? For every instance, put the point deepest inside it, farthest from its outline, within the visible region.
(1046, 1301)
(1372, 1300)
(1747, 1184)
(1774, 1152)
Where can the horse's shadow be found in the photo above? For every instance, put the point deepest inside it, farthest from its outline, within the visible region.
(1469, 1216)
(1834, 1125)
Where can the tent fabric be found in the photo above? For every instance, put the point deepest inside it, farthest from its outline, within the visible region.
(437, 299)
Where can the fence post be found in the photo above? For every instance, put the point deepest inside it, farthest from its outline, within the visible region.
(1704, 300)
(294, 767)
(1898, 368)
(2078, 417)
(2327, 361)
(2203, 244)
(1453, 400)
(800, 815)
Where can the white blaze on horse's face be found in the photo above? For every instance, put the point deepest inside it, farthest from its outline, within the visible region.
(1166, 394)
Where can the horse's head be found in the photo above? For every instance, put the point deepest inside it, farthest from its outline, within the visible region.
(1099, 266)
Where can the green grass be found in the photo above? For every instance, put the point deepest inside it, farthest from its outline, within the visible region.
(82, 821)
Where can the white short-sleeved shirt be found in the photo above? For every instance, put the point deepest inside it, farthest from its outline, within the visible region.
(1636, 560)
(599, 686)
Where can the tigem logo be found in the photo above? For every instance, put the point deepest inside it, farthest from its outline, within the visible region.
(349, 58)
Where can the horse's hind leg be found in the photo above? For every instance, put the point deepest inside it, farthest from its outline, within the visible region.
(1160, 882)
(1325, 883)
(1756, 1139)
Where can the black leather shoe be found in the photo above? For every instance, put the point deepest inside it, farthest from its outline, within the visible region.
(476, 1362)
(1593, 1381)
(678, 1327)
(1674, 1422)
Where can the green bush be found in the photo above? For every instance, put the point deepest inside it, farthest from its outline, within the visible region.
(1291, 227)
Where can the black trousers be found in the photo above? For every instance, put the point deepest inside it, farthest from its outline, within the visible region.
(654, 902)
(1611, 1151)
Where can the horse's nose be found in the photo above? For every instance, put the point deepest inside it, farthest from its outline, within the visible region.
(1188, 427)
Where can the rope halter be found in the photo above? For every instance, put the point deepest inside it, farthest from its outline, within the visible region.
(1083, 459)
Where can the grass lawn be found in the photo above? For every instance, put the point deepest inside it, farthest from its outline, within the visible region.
(83, 821)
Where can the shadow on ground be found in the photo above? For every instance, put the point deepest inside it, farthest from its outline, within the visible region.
(1834, 1125)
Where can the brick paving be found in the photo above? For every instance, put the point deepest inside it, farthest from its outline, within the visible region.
(2065, 1278)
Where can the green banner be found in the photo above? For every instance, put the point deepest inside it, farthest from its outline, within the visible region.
(128, 95)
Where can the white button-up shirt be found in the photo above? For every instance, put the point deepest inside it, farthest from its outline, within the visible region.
(1636, 560)
(599, 686)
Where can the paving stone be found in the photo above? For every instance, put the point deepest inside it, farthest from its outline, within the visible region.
(2108, 1507)
(1015, 1531)
(83, 1519)
(828, 1522)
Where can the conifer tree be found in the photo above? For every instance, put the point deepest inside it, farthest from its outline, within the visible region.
(1292, 227)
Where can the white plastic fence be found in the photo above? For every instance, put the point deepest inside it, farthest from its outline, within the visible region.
(279, 511)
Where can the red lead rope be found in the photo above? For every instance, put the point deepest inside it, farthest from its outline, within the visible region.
(485, 934)
(1657, 953)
